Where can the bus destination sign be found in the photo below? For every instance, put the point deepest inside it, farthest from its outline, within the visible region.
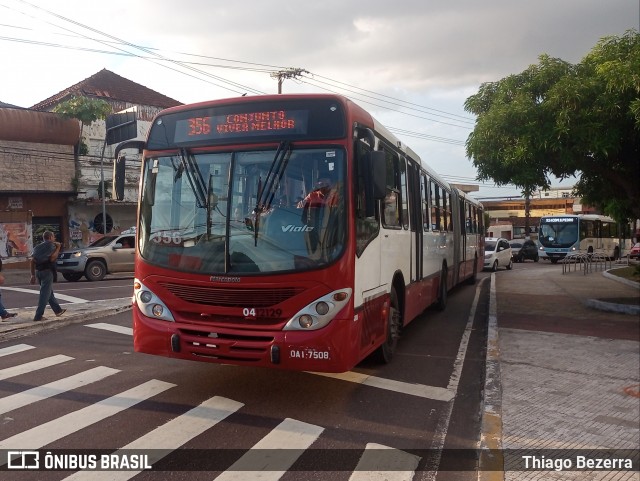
(560, 220)
(265, 123)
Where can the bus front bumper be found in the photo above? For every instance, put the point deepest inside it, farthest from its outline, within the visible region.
(289, 350)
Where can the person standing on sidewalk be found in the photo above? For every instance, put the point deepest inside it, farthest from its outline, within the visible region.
(3, 312)
(44, 255)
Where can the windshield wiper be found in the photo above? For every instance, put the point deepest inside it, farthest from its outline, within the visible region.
(194, 176)
(267, 192)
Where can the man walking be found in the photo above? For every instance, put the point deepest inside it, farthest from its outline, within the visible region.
(42, 264)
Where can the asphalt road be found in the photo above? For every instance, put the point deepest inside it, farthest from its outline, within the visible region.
(421, 407)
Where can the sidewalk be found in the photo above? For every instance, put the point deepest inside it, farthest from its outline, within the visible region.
(22, 325)
(562, 374)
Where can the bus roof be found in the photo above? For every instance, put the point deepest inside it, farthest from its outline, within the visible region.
(356, 112)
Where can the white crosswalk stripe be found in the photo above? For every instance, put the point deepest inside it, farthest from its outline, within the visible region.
(383, 463)
(54, 388)
(111, 327)
(6, 351)
(33, 366)
(268, 460)
(46, 433)
(170, 436)
(290, 438)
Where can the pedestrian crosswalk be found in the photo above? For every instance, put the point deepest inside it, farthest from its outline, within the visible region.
(272, 455)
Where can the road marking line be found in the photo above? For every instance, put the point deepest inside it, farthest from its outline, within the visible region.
(442, 427)
(70, 423)
(54, 388)
(420, 390)
(33, 366)
(170, 436)
(112, 327)
(274, 454)
(6, 351)
(60, 297)
(388, 465)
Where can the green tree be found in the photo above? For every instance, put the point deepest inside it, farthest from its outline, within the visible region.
(86, 110)
(559, 119)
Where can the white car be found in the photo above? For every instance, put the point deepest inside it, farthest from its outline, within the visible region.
(497, 253)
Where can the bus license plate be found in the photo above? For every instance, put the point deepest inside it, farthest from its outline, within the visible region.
(309, 354)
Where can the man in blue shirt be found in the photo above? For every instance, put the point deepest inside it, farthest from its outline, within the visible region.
(42, 264)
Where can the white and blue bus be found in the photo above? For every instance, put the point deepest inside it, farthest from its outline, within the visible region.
(564, 234)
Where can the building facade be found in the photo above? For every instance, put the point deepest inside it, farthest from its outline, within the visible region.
(47, 185)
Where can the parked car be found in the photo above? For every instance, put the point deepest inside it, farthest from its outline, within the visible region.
(528, 250)
(497, 253)
(515, 245)
(110, 254)
(635, 251)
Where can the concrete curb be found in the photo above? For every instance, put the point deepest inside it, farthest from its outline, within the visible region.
(621, 279)
(491, 422)
(23, 325)
(613, 307)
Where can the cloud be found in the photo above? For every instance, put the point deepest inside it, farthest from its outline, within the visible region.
(424, 52)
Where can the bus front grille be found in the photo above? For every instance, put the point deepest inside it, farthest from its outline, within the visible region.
(231, 296)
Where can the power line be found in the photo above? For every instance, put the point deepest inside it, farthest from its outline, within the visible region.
(269, 68)
(398, 102)
(286, 73)
(389, 108)
(128, 44)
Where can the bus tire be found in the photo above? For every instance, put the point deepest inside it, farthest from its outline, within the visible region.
(441, 303)
(385, 352)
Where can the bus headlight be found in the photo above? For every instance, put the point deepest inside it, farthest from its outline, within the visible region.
(322, 308)
(150, 304)
(320, 312)
(305, 321)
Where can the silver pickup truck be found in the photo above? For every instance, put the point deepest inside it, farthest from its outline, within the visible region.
(110, 254)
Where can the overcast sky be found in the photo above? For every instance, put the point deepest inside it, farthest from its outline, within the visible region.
(412, 63)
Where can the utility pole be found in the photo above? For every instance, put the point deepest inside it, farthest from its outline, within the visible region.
(288, 73)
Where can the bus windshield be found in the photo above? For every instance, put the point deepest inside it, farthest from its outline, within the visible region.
(558, 231)
(258, 211)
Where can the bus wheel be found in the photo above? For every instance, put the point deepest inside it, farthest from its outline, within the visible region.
(441, 303)
(385, 352)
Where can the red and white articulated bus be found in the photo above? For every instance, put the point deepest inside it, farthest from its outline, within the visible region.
(291, 232)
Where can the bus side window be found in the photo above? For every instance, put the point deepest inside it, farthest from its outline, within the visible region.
(434, 199)
(367, 228)
(424, 193)
(404, 196)
(392, 214)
